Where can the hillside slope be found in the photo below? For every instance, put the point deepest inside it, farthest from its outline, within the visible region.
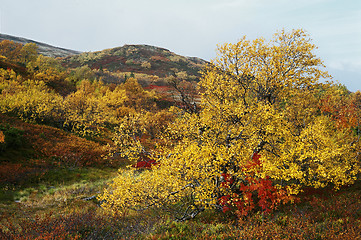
(144, 59)
(39, 149)
(44, 49)
(141, 59)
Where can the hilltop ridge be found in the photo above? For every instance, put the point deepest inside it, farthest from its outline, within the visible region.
(150, 60)
(43, 48)
(142, 59)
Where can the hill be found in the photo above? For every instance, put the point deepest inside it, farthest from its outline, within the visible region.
(143, 59)
(44, 49)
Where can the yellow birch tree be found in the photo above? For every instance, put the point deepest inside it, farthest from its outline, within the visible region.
(259, 135)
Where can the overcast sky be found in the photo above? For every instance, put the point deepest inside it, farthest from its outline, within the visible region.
(191, 27)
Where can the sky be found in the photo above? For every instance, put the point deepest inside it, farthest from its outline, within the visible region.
(191, 27)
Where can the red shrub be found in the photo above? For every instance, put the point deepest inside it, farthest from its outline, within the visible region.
(253, 192)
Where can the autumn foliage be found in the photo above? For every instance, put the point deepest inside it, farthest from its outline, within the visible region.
(258, 131)
(265, 131)
(253, 194)
(2, 137)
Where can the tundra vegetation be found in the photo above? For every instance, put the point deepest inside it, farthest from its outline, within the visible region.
(262, 145)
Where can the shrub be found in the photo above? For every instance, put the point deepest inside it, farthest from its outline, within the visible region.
(13, 137)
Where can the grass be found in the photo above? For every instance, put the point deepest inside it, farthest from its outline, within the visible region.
(59, 181)
(337, 216)
(57, 201)
(45, 159)
(45, 210)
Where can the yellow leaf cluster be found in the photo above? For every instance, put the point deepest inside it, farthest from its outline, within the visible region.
(258, 97)
(92, 107)
(30, 100)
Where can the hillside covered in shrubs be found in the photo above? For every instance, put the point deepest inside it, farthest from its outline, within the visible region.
(138, 142)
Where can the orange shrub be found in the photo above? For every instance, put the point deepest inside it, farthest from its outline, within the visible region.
(2, 137)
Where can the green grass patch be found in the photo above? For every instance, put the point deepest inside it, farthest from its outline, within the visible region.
(61, 179)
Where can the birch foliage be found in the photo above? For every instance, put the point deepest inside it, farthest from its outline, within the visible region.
(260, 98)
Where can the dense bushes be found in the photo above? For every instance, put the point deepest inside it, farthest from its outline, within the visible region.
(30, 100)
(86, 111)
(13, 137)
